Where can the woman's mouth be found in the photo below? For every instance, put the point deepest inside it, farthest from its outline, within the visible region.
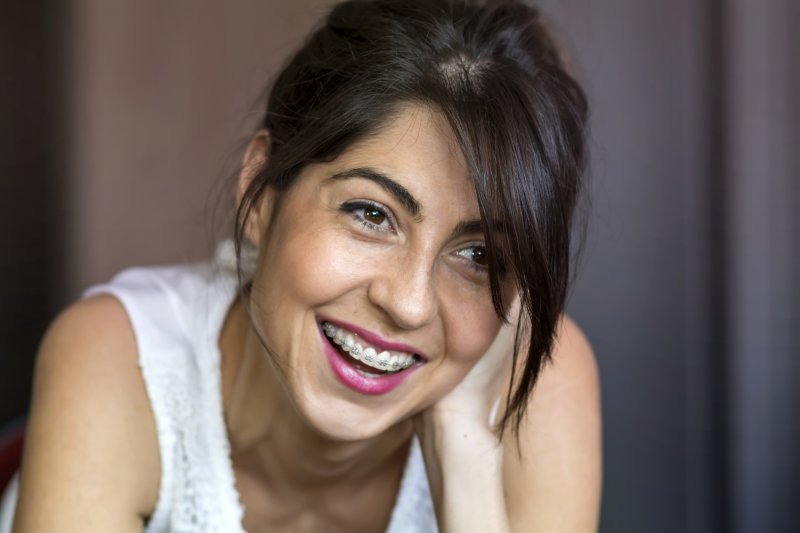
(365, 364)
(367, 358)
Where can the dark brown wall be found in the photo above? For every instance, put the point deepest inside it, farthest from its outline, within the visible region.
(29, 154)
(690, 283)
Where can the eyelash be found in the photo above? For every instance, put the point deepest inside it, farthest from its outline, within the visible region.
(353, 208)
(472, 265)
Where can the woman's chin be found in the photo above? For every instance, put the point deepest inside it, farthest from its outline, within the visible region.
(339, 420)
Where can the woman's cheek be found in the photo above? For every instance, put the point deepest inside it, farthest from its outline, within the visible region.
(472, 336)
(316, 264)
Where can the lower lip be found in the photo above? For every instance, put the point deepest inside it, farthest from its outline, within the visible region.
(355, 380)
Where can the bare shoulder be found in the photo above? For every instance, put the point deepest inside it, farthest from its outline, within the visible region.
(553, 481)
(91, 455)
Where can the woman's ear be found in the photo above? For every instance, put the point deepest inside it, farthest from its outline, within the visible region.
(255, 159)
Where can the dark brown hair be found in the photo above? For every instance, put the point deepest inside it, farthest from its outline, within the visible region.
(493, 71)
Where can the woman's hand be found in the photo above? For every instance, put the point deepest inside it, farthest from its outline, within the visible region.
(554, 458)
(482, 390)
(463, 456)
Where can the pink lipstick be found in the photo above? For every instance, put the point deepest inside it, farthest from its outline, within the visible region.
(344, 367)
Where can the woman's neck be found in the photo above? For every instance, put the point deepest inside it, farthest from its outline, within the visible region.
(273, 442)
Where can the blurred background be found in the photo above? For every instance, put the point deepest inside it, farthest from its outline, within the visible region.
(122, 123)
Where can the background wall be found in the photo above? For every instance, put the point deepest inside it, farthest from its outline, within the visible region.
(647, 294)
(29, 157)
(165, 96)
(132, 117)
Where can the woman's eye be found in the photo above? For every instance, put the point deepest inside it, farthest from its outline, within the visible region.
(477, 257)
(371, 216)
(374, 216)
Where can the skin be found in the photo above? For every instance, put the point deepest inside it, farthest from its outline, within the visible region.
(307, 451)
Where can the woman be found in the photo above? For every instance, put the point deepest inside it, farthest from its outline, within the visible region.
(408, 203)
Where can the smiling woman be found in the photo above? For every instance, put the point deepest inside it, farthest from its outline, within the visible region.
(386, 250)
(397, 286)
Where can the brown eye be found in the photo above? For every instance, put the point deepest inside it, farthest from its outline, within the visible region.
(374, 216)
(369, 216)
(479, 256)
(476, 257)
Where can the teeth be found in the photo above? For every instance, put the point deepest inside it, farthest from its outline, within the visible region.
(349, 341)
(385, 360)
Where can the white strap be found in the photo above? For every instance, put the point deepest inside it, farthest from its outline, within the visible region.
(8, 504)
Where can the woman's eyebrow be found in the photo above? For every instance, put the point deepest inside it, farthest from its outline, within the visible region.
(466, 227)
(402, 194)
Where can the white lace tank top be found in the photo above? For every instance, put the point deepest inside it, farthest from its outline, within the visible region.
(177, 314)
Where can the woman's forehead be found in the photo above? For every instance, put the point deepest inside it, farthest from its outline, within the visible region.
(416, 147)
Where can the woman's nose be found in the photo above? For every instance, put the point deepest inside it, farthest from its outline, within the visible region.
(404, 289)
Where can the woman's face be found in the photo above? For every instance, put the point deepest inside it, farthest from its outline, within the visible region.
(383, 249)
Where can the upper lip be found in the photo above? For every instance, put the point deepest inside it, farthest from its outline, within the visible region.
(375, 339)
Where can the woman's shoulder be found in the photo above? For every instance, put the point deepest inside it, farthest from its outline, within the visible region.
(171, 306)
(559, 454)
(573, 351)
(91, 453)
(89, 335)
